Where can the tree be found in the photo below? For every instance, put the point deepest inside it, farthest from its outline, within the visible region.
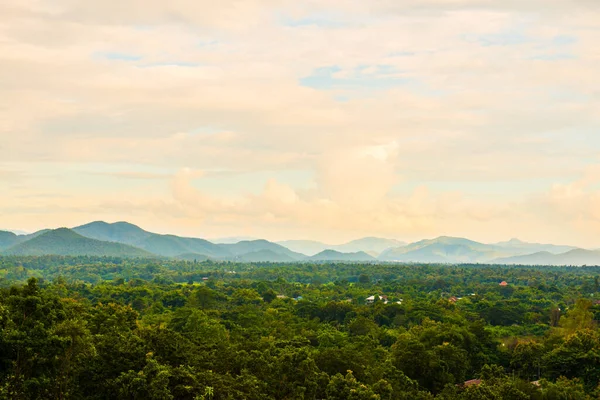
(348, 388)
(269, 295)
(152, 382)
(579, 317)
(526, 359)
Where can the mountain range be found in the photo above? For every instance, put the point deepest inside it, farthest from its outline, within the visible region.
(571, 257)
(124, 239)
(371, 245)
(64, 242)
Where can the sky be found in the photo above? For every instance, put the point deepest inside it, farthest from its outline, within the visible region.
(326, 120)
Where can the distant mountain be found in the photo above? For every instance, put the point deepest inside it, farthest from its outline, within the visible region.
(541, 258)
(368, 245)
(447, 249)
(308, 247)
(333, 255)
(171, 246)
(576, 257)
(232, 240)
(122, 232)
(449, 240)
(128, 240)
(17, 232)
(65, 242)
(517, 246)
(176, 246)
(7, 239)
(164, 245)
(23, 238)
(252, 246)
(444, 249)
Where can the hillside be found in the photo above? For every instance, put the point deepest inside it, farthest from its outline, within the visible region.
(23, 238)
(134, 240)
(443, 250)
(252, 246)
(333, 255)
(576, 257)
(18, 232)
(367, 245)
(7, 239)
(163, 245)
(308, 247)
(517, 246)
(64, 241)
(446, 249)
(231, 240)
(122, 232)
(171, 245)
(175, 246)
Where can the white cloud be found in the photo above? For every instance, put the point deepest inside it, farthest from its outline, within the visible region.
(486, 96)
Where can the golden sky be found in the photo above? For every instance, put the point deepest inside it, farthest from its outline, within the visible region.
(327, 120)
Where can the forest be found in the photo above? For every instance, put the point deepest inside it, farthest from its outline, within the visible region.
(115, 328)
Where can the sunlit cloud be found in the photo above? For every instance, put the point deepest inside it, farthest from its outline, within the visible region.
(325, 119)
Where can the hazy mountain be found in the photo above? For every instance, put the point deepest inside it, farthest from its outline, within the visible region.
(367, 244)
(444, 249)
(175, 246)
(164, 245)
(571, 257)
(17, 232)
(64, 241)
(252, 246)
(308, 247)
(171, 245)
(434, 253)
(22, 238)
(517, 246)
(449, 240)
(460, 250)
(333, 255)
(125, 239)
(232, 240)
(7, 239)
(122, 232)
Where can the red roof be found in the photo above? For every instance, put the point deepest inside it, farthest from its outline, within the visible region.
(503, 283)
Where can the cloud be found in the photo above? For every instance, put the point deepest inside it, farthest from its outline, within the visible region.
(480, 124)
(360, 176)
(578, 201)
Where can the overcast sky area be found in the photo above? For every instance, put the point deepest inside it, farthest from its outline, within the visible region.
(316, 119)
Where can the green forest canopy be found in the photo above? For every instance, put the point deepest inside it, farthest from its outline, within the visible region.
(101, 327)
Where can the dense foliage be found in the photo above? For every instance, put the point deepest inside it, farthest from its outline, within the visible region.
(101, 328)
